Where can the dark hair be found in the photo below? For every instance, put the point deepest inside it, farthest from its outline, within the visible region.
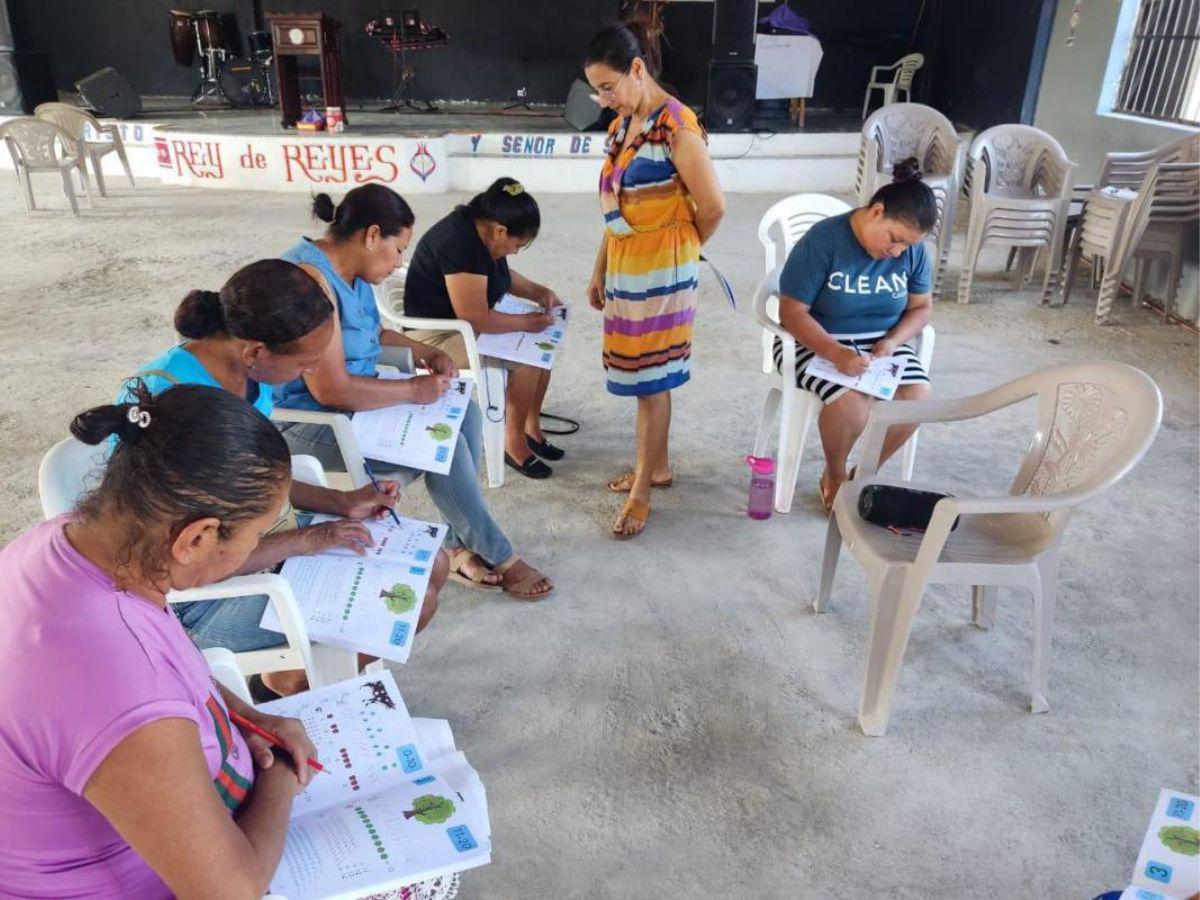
(508, 203)
(272, 300)
(618, 45)
(197, 452)
(908, 199)
(367, 205)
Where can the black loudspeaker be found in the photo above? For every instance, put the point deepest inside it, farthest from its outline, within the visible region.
(583, 112)
(25, 81)
(734, 22)
(730, 105)
(109, 94)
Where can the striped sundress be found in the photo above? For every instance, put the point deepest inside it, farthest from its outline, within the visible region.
(653, 256)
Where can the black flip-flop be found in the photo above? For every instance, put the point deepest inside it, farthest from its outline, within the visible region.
(545, 449)
(531, 468)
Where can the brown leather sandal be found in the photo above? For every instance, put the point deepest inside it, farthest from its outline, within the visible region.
(458, 561)
(622, 484)
(633, 510)
(521, 590)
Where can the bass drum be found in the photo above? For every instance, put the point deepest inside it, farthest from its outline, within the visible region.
(208, 26)
(244, 83)
(183, 41)
(259, 43)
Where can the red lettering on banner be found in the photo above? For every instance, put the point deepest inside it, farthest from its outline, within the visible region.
(251, 159)
(202, 158)
(339, 163)
(162, 153)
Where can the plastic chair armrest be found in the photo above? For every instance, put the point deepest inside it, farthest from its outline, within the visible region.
(343, 434)
(462, 326)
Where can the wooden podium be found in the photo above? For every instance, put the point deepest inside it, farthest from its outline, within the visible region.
(306, 34)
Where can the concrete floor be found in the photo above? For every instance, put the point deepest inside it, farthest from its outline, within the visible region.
(676, 722)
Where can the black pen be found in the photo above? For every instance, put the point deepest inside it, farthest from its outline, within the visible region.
(375, 484)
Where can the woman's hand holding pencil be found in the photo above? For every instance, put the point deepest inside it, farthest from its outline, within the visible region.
(262, 732)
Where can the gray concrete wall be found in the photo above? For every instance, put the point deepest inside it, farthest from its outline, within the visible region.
(1067, 108)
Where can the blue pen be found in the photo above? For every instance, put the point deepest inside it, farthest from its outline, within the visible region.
(375, 484)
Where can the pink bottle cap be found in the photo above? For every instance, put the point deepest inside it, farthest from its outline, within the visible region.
(761, 465)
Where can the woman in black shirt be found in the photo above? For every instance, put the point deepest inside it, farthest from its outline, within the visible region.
(459, 271)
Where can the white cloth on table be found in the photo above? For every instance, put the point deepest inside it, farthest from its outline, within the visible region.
(787, 65)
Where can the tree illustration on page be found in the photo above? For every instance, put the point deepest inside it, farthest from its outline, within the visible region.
(1180, 838)
(399, 599)
(430, 809)
(440, 432)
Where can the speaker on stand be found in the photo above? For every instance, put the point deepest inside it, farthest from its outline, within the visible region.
(732, 74)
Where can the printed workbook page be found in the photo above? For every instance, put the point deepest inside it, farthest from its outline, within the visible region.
(531, 348)
(410, 541)
(414, 435)
(880, 380)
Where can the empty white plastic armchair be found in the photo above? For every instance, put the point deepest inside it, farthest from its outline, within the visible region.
(71, 468)
(39, 146)
(795, 408)
(779, 230)
(92, 139)
(1020, 197)
(902, 71)
(902, 130)
(1151, 223)
(490, 375)
(1095, 421)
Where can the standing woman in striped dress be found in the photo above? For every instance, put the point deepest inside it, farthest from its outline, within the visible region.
(661, 200)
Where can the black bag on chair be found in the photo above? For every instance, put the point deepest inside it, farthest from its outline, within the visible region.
(889, 506)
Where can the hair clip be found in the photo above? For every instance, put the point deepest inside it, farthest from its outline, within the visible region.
(138, 417)
(514, 189)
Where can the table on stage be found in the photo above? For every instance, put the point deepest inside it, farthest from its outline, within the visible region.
(787, 69)
(306, 34)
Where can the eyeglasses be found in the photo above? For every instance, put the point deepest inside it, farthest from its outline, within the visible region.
(611, 92)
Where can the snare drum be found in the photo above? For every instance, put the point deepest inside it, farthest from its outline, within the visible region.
(208, 29)
(259, 43)
(183, 41)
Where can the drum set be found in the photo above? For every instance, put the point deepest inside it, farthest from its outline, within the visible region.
(245, 81)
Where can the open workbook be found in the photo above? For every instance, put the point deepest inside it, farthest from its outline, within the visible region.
(419, 436)
(531, 348)
(1168, 866)
(367, 603)
(396, 803)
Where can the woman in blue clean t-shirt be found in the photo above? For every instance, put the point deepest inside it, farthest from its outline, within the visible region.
(857, 286)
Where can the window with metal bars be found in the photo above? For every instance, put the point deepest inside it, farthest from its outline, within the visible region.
(1161, 76)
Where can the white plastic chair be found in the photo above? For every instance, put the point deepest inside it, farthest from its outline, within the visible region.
(1095, 421)
(70, 468)
(902, 130)
(1152, 223)
(223, 665)
(779, 230)
(1020, 197)
(903, 71)
(39, 146)
(75, 121)
(490, 375)
(800, 407)
(343, 434)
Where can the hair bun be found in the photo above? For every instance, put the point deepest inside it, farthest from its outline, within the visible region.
(96, 425)
(323, 208)
(906, 170)
(200, 315)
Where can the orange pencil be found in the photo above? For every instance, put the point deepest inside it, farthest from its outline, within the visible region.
(267, 736)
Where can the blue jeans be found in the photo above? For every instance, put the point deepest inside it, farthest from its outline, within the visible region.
(457, 495)
(232, 624)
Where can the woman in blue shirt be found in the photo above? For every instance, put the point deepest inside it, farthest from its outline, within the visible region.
(364, 243)
(856, 287)
(268, 324)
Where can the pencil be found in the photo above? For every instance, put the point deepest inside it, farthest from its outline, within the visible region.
(267, 736)
(375, 484)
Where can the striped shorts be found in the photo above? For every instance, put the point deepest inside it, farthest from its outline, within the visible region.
(827, 391)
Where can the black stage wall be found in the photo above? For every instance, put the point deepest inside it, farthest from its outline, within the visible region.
(978, 56)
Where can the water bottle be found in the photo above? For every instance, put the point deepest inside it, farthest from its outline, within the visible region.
(762, 487)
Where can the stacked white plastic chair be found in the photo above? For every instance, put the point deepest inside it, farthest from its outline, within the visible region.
(39, 146)
(104, 138)
(795, 408)
(490, 375)
(70, 468)
(904, 130)
(1020, 196)
(902, 71)
(779, 230)
(1141, 210)
(1095, 421)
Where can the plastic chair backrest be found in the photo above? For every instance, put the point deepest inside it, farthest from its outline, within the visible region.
(37, 141)
(907, 68)
(794, 216)
(1095, 421)
(901, 130)
(223, 665)
(1129, 170)
(69, 470)
(70, 119)
(766, 297)
(1016, 157)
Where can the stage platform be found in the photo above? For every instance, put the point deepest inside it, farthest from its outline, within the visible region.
(461, 147)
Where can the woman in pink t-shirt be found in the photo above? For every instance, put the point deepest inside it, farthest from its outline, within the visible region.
(120, 772)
